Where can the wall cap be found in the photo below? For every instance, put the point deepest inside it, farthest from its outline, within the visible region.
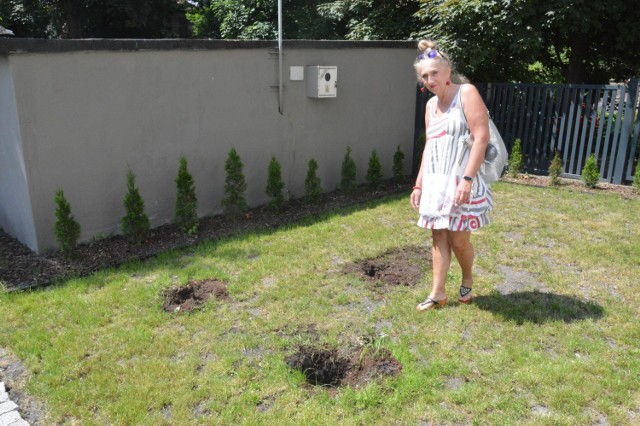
(38, 45)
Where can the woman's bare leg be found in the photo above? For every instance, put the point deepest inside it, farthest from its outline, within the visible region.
(463, 249)
(441, 259)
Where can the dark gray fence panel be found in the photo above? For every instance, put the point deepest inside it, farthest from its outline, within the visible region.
(575, 120)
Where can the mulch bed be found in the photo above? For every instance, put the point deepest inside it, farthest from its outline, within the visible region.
(21, 268)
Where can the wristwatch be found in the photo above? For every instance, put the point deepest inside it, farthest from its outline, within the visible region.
(467, 178)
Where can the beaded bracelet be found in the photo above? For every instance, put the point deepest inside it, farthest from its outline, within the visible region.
(417, 187)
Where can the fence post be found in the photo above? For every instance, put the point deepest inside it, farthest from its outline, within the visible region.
(625, 134)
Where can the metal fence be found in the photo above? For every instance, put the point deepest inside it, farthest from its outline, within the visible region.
(575, 120)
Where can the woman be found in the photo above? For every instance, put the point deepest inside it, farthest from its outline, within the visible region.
(453, 200)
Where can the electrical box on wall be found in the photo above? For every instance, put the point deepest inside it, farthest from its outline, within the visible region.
(322, 81)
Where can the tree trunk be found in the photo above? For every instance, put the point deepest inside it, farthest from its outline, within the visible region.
(72, 16)
(578, 58)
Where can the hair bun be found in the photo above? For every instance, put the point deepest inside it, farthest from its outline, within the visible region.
(423, 45)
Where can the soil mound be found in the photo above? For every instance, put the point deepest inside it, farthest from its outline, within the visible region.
(193, 295)
(401, 266)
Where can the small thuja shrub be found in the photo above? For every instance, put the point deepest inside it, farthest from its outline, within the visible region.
(67, 228)
(186, 212)
(515, 161)
(312, 186)
(590, 172)
(275, 185)
(233, 202)
(135, 223)
(555, 169)
(398, 166)
(348, 173)
(375, 176)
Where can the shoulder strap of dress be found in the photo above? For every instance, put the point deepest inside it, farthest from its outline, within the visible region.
(432, 108)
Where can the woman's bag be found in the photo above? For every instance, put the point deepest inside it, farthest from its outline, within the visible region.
(496, 156)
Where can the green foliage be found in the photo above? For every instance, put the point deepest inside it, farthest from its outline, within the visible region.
(257, 20)
(186, 211)
(135, 223)
(515, 160)
(581, 41)
(234, 202)
(27, 18)
(375, 176)
(312, 186)
(398, 166)
(555, 169)
(348, 173)
(67, 228)
(95, 18)
(275, 185)
(590, 172)
(372, 20)
(636, 177)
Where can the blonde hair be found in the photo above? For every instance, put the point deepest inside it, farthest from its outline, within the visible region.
(431, 46)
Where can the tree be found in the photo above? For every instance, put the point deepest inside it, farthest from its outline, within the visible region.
(590, 172)
(515, 160)
(275, 185)
(27, 18)
(348, 173)
(234, 203)
(555, 169)
(67, 229)
(503, 40)
(186, 212)
(135, 223)
(375, 176)
(372, 19)
(257, 19)
(398, 166)
(312, 186)
(95, 18)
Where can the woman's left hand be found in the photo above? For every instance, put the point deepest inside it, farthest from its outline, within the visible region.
(463, 192)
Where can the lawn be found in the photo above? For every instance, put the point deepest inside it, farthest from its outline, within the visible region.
(551, 338)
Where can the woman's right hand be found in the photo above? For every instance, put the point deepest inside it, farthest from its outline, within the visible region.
(415, 197)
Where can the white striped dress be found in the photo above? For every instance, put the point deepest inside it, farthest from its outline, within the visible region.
(443, 163)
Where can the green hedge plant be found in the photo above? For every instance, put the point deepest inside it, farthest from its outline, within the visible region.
(312, 184)
(186, 211)
(555, 169)
(348, 173)
(398, 166)
(235, 186)
(375, 176)
(135, 223)
(275, 185)
(515, 160)
(67, 229)
(590, 172)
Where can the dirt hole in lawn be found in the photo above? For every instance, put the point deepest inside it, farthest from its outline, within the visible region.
(401, 266)
(326, 366)
(193, 295)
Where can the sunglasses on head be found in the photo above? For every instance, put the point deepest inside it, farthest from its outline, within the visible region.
(428, 54)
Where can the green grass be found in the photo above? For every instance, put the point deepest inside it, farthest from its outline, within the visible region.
(560, 347)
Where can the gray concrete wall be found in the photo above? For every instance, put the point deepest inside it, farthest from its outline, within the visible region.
(15, 206)
(85, 110)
